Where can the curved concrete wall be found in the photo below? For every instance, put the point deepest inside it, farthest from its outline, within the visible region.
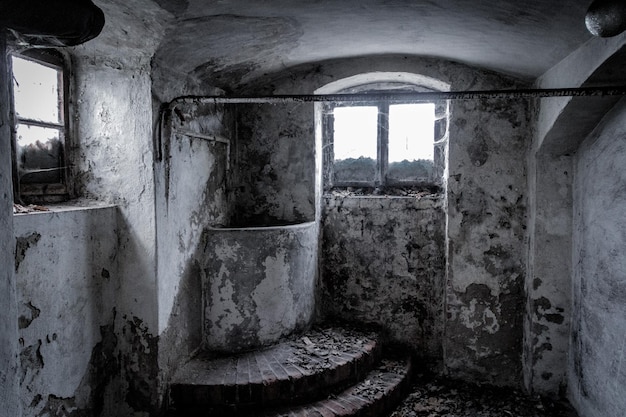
(258, 284)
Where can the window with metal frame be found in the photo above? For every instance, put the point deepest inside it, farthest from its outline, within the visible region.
(40, 108)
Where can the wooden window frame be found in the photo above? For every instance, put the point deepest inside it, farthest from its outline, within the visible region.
(382, 164)
(44, 192)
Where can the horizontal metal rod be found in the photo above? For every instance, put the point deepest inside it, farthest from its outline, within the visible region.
(408, 96)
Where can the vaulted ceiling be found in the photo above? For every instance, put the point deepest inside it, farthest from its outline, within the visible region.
(520, 38)
(234, 40)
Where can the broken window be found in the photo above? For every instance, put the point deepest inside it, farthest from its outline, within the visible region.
(40, 135)
(385, 145)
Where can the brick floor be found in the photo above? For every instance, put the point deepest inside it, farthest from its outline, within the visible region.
(374, 396)
(313, 368)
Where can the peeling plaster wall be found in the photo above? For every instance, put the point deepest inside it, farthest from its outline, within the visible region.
(115, 164)
(191, 182)
(9, 365)
(258, 285)
(489, 141)
(548, 287)
(597, 369)
(274, 179)
(66, 267)
(114, 157)
(387, 269)
(112, 151)
(562, 124)
(486, 208)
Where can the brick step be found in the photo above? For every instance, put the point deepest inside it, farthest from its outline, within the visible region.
(298, 370)
(377, 395)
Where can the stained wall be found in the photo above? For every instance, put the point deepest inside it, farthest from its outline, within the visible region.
(476, 323)
(66, 268)
(274, 158)
(489, 140)
(597, 372)
(191, 171)
(104, 260)
(383, 262)
(9, 364)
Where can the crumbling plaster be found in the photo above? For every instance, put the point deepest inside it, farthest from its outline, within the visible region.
(274, 160)
(486, 200)
(190, 177)
(259, 284)
(156, 295)
(66, 268)
(115, 164)
(383, 262)
(486, 235)
(9, 365)
(561, 126)
(112, 148)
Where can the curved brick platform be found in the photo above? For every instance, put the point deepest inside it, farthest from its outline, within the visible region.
(380, 391)
(299, 370)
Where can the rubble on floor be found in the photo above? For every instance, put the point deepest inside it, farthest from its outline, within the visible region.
(441, 398)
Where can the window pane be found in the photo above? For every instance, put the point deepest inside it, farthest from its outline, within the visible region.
(355, 143)
(411, 149)
(36, 91)
(40, 154)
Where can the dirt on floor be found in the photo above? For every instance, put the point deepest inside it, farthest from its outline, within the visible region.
(433, 397)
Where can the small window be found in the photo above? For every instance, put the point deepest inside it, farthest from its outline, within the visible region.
(40, 136)
(382, 145)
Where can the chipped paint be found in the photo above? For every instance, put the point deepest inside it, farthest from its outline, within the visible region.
(486, 237)
(383, 262)
(259, 285)
(275, 292)
(22, 245)
(66, 328)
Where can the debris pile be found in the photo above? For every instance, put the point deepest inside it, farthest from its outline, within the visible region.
(20, 209)
(438, 398)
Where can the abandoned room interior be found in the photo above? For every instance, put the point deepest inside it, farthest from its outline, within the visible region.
(238, 207)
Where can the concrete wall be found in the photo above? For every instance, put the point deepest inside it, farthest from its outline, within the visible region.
(115, 164)
(548, 287)
(115, 349)
(190, 175)
(9, 397)
(66, 268)
(383, 262)
(562, 124)
(489, 141)
(483, 304)
(597, 369)
(274, 179)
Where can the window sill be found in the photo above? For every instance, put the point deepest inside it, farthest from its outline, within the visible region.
(431, 192)
(72, 205)
(385, 203)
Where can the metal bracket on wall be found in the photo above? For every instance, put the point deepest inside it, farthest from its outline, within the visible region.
(210, 138)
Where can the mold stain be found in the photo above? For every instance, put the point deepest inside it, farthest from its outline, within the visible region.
(23, 244)
(139, 365)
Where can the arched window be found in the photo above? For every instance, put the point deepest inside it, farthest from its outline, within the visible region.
(382, 146)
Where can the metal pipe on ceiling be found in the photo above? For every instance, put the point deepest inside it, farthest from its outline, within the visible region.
(407, 96)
